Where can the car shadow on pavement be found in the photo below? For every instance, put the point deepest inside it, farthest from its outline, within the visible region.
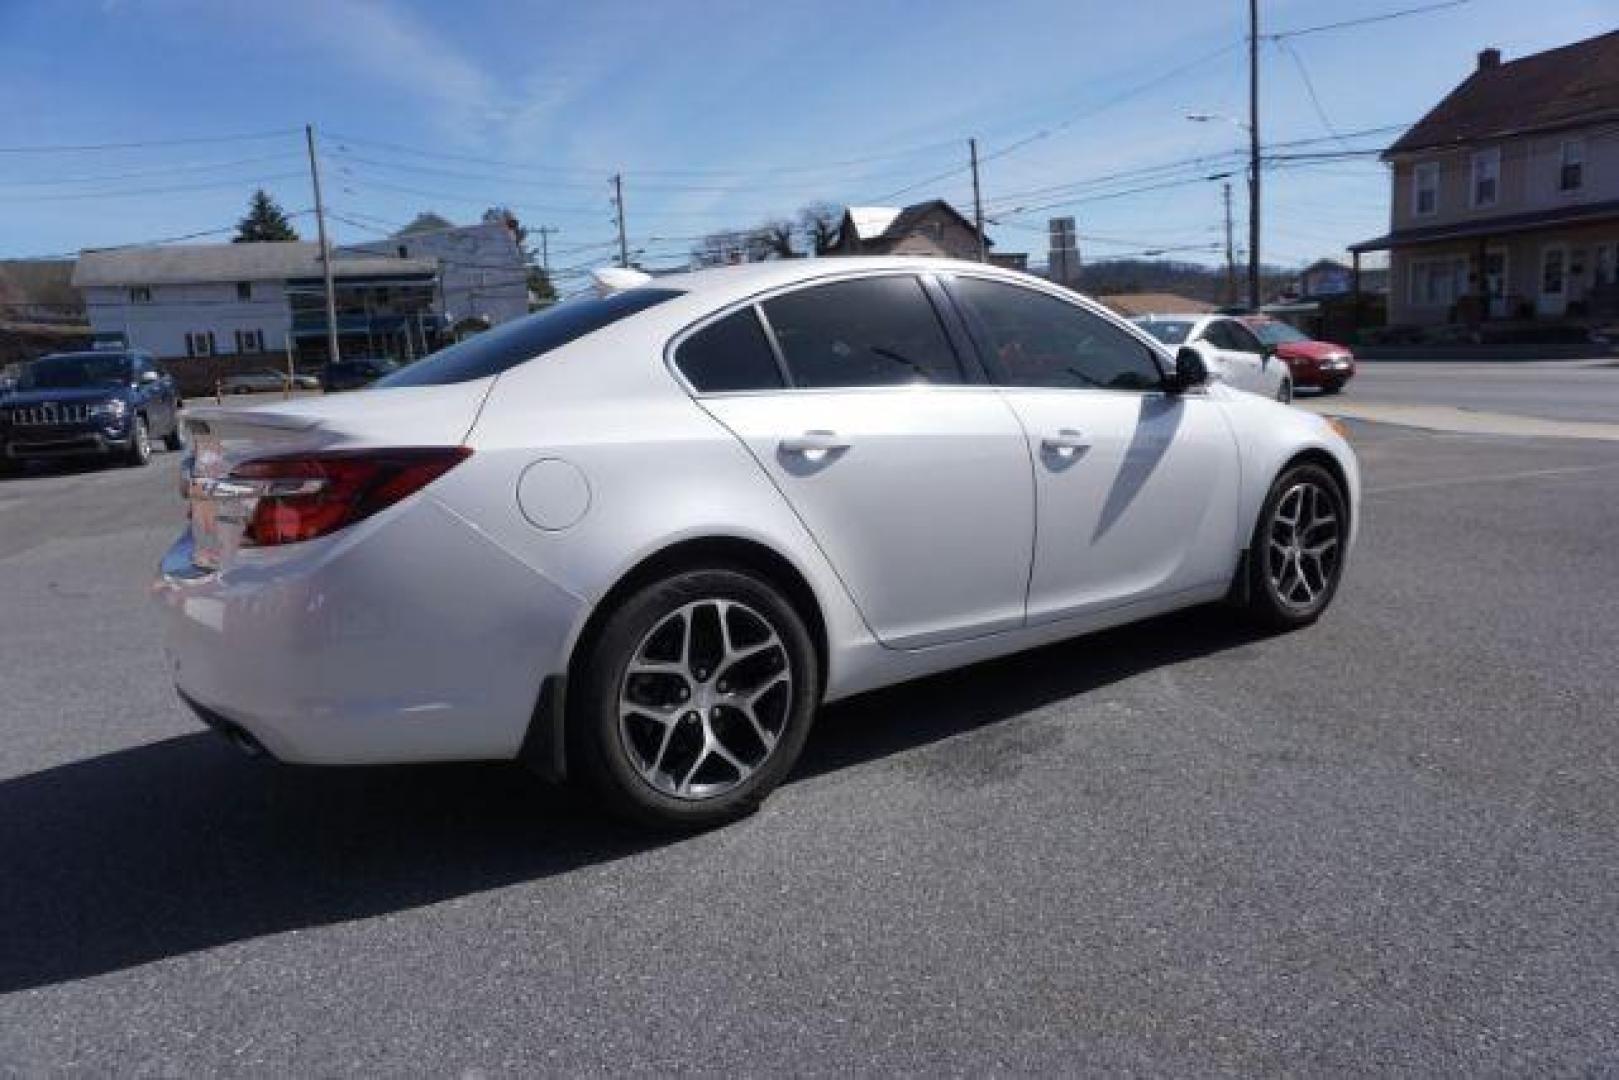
(181, 845)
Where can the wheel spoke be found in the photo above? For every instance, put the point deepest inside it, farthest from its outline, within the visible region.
(674, 744)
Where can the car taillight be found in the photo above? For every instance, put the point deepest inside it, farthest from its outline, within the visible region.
(305, 496)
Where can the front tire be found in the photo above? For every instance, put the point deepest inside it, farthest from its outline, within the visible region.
(140, 443)
(1284, 393)
(694, 699)
(1295, 558)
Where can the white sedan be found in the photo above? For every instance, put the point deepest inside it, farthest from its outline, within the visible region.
(642, 536)
(1234, 355)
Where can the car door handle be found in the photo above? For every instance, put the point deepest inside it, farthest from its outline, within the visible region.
(814, 443)
(1066, 443)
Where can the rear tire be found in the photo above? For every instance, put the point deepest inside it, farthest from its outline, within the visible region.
(694, 699)
(174, 441)
(1295, 558)
(1331, 387)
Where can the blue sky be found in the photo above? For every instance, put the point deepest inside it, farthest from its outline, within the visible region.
(719, 113)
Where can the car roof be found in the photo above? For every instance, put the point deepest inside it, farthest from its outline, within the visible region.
(747, 278)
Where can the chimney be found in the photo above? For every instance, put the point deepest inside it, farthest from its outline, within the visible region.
(1489, 59)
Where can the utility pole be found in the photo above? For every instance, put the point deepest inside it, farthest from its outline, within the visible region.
(978, 202)
(618, 215)
(325, 248)
(545, 232)
(1230, 251)
(1253, 154)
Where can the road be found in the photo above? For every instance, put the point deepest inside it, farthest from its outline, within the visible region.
(1387, 843)
(1566, 390)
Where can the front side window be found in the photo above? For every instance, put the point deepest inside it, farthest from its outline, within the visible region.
(1425, 188)
(730, 355)
(1486, 177)
(1035, 339)
(876, 331)
(521, 340)
(1571, 173)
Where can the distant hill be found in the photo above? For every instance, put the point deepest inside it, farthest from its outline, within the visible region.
(1114, 276)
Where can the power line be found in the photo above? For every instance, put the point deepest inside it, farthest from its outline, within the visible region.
(131, 192)
(164, 170)
(1309, 87)
(639, 172)
(196, 141)
(1421, 9)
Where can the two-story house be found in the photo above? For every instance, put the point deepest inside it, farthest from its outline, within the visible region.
(198, 301)
(1506, 194)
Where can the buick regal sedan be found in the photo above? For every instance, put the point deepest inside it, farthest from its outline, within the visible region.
(639, 538)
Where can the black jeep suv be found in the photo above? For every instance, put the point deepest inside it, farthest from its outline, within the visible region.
(104, 404)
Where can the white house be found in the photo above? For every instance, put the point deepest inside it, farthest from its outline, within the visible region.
(201, 300)
(482, 272)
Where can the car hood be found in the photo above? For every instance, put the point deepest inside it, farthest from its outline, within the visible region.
(1310, 350)
(63, 395)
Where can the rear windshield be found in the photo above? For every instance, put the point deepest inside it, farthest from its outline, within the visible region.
(1168, 331)
(520, 340)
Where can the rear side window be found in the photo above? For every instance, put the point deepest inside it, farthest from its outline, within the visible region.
(1035, 339)
(521, 340)
(876, 331)
(731, 354)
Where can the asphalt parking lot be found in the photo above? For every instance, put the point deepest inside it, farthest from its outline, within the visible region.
(1387, 843)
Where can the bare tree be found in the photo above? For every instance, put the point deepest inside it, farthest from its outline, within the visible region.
(776, 238)
(819, 221)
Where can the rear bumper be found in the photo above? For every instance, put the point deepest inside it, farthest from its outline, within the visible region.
(406, 638)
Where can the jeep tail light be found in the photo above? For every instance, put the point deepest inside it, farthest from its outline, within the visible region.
(304, 496)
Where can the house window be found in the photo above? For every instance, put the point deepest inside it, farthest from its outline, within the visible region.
(1438, 282)
(1571, 174)
(250, 341)
(1486, 177)
(140, 294)
(200, 343)
(244, 290)
(1425, 188)
(1603, 267)
(402, 254)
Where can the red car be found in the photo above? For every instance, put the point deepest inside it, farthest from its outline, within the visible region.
(1319, 364)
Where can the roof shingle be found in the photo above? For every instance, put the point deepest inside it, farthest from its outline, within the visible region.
(1562, 87)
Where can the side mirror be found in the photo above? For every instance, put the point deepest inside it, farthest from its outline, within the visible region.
(1190, 371)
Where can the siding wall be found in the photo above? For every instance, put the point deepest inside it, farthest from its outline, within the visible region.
(160, 325)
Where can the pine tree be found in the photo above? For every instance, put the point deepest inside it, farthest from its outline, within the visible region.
(264, 221)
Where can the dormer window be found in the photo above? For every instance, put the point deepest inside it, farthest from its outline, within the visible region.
(1571, 172)
(1486, 187)
(1425, 189)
